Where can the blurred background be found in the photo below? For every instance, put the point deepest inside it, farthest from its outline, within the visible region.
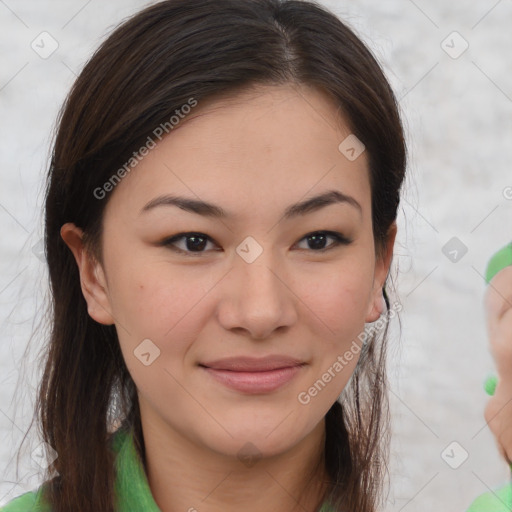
(449, 64)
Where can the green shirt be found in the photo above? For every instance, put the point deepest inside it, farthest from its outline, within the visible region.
(496, 501)
(132, 487)
(134, 493)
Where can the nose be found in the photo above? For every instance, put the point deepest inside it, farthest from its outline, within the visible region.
(257, 298)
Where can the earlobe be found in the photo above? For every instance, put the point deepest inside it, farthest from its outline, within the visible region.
(376, 307)
(92, 279)
(382, 265)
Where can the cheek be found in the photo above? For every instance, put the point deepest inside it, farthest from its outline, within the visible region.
(151, 302)
(339, 299)
(169, 313)
(341, 304)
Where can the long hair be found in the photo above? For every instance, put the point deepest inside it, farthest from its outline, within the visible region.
(147, 69)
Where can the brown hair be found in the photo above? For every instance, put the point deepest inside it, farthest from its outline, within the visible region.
(149, 67)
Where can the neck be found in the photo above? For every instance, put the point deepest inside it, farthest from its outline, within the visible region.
(186, 477)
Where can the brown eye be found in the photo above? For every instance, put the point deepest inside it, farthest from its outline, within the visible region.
(317, 241)
(194, 242)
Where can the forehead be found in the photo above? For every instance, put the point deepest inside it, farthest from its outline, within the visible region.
(269, 144)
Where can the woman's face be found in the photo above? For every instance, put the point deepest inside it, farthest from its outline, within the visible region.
(254, 282)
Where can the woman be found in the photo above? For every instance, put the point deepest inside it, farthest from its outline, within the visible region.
(220, 221)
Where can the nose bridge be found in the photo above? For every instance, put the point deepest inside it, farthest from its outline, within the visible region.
(257, 299)
(258, 276)
(254, 258)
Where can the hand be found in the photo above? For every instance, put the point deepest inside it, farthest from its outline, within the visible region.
(498, 307)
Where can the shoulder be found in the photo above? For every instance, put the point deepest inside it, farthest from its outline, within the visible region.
(33, 501)
(29, 502)
(496, 501)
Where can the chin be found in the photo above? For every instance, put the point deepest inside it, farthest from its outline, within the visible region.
(252, 442)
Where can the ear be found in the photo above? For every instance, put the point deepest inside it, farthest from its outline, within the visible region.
(92, 277)
(382, 264)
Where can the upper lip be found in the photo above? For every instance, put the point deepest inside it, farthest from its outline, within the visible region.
(255, 364)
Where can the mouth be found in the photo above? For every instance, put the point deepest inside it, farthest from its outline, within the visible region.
(254, 375)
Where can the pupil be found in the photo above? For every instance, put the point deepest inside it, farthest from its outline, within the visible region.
(316, 239)
(195, 246)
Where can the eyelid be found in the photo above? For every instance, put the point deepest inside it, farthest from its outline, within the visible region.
(339, 238)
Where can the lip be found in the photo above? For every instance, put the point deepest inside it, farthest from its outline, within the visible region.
(254, 375)
(255, 382)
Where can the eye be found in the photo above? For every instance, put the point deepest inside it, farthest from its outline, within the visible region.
(317, 240)
(195, 243)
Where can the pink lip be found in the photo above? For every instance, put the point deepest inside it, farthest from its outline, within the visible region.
(254, 375)
(255, 382)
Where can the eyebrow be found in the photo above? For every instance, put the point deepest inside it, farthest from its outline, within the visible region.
(211, 210)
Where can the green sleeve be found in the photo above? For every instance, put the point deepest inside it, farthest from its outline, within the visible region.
(28, 502)
(496, 501)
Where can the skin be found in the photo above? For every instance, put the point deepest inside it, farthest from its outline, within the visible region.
(254, 155)
(498, 307)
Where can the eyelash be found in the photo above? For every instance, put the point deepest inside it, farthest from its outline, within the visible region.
(339, 239)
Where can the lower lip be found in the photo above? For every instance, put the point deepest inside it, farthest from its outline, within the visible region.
(255, 382)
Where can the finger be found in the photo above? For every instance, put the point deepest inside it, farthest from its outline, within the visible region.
(498, 298)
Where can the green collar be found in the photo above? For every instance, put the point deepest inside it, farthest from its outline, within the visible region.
(132, 485)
